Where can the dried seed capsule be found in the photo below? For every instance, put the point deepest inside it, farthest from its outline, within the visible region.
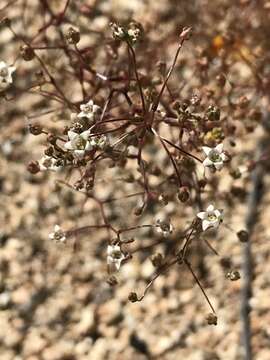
(73, 36)
(27, 53)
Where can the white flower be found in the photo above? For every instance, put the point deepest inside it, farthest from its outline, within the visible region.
(118, 31)
(164, 227)
(88, 110)
(49, 163)
(99, 141)
(58, 235)
(214, 156)
(134, 34)
(5, 75)
(114, 257)
(211, 218)
(78, 143)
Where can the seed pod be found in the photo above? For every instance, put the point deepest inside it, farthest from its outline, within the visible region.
(33, 167)
(73, 36)
(35, 129)
(133, 297)
(27, 53)
(183, 194)
(211, 319)
(243, 235)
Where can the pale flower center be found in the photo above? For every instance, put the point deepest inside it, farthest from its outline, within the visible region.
(58, 235)
(211, 217)
(4, 72)
(80, 143)
(214, 156)
(116, 254)
(88, 108)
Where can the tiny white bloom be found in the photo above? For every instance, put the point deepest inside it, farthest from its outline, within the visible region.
(214, 156)
(58, 235)
(118, 31)
(49, 163)
(134, 34)
(164, 227)
(5, 75)
(78, 143)
(211, 218)
(88, 110)
(114, 257)
(99, 141)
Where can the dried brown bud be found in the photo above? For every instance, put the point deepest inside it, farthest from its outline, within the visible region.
(157, 260)
(183, 194)
(213, 113)
(133, 297)
(161, 67)
(5, 22)
(211, 319)
(243, 235)
(35, 129)
(33, 167)
(163, 199)
(73, 36)
(27, 53)
(139, 210)
(221, 80)
(233, 275)
(49, 151)
(243, 102)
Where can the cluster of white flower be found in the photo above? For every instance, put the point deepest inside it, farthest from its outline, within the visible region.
(5, 75)
(215, 157)
(89, 110)
(78, 143)
(58, 235)
(114, 257)
(49, 163)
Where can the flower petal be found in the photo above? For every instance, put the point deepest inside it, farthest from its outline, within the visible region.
(202, 215)
(205, 225)
(79, 153)
(68, 145)
(72, 135)
(219, 148)
(218, 165)
(210, 208)
(207, 162)
(85, 134)
(206, 149)
(88, 146)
